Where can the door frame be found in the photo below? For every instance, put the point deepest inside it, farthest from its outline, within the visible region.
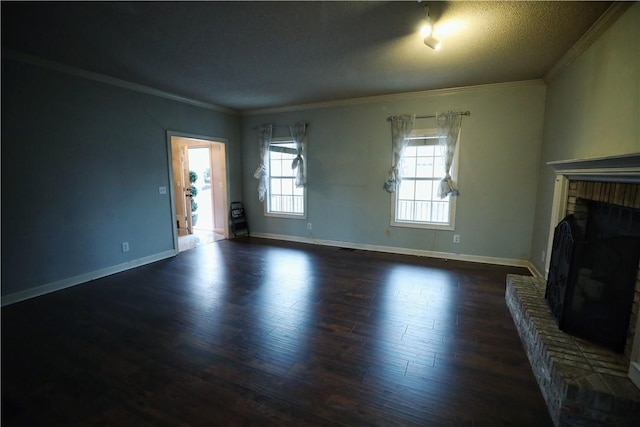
(203, 140)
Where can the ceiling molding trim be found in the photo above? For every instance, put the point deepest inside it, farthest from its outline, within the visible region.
(394, 97)
(101, 78)
(611, 15)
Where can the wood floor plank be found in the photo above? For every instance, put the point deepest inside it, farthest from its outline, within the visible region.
(260, 332)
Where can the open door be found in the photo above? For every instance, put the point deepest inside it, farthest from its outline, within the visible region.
(198, 164)
(181, 186)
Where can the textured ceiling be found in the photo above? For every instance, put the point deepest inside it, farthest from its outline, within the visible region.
(255, 55)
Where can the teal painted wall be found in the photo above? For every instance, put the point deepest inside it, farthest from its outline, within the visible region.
(82, 162)
(81, 165)
(349, 155)
(592, 110)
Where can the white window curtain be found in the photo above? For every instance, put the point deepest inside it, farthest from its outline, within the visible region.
(400, 129)
(449, 124)
(298, 134)
(265, 133)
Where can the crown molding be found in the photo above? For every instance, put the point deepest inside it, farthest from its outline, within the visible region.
(101, 78)
(611, 15)
(395, 97)
(90, 75)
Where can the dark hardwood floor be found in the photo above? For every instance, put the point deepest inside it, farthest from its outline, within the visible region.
(259, 332)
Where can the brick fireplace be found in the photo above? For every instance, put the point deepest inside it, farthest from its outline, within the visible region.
(618, 194)
(582, 383)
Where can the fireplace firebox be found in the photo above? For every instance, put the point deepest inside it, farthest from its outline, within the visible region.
(592, 273)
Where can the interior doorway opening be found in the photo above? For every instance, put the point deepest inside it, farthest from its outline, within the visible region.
(199, 191)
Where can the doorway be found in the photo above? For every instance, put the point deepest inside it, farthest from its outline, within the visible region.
(199, 191)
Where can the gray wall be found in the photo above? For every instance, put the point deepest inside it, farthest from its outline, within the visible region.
(592, 110)
(81, 165)
(82, 162)
(349, 155)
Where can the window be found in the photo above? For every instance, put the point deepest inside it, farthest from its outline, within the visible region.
(416, 202)
(283, 197)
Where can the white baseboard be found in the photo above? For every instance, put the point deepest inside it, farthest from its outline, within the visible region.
(532, 268)
(404, 251)
(83, 278)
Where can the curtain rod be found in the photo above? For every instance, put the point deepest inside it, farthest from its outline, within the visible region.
(277, 126)
(433, 116)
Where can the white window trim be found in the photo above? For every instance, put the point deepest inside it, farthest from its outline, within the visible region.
(276, 141)
(420, 134)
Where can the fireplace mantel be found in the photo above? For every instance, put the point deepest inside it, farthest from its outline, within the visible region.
(623, 168)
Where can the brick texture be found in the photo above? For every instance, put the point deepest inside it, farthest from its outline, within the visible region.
(583, 384)
(615, 193)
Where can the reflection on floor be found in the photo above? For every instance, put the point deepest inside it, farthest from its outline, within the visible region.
(269, 332)
(198, 238)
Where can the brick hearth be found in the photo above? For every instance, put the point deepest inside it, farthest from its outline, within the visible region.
(582, 383)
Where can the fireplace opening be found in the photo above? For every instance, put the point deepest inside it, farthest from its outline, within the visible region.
(592, 272)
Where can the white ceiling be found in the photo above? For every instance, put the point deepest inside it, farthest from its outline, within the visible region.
(256, 55)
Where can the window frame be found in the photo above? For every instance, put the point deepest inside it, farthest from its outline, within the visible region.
(289, 215)
(425, 135)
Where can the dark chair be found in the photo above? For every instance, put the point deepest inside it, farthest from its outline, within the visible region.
(238, 219)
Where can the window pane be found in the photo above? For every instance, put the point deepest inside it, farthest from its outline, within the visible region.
(286, 203)
(424, 167)
(409, 167)
(429, 150)
(404, 211)
(435, 185)
(407, 189)
(423, 211)
(440, 212)
(275, 186)
(409, 150)
(287, 186)
(276, 203)
(423, 190)
(275, 167)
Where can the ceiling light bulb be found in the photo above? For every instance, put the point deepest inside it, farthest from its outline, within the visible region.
(432, 42)
(426, 29)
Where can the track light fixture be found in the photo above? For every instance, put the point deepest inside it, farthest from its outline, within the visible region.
(427, 31)
(433, 42)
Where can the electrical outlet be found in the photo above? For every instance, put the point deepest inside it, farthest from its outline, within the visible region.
(125, 246)
(543, 256)
(456, 238)
(162, 190)
(387, 232)
(308, 226)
